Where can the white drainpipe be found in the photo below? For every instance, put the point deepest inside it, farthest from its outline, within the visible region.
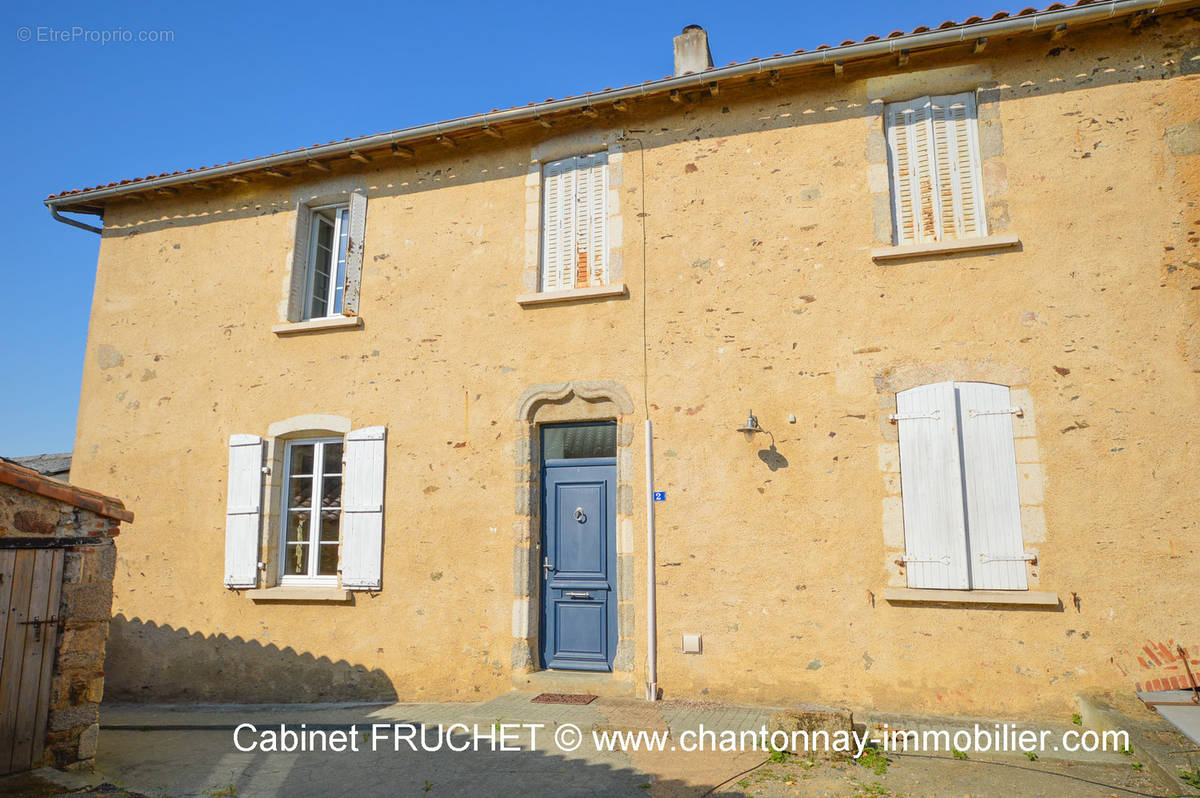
(651, 606)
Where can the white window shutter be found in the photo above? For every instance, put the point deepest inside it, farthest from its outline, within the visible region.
(243, 511)
(931, 488)
(961, 119)
(909, 135)
(993, 508)
(362, 509)
(557, 224)
(354, 253)
(300, 255)
(596, 202)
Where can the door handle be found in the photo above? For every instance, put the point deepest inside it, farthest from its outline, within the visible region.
(580, 515)
(547, 567)
(574, 594)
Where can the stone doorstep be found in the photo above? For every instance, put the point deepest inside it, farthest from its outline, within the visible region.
(599, 683)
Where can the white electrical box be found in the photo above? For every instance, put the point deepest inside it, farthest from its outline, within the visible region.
(691, 644)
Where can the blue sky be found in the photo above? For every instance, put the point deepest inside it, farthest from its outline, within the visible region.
(242, 79)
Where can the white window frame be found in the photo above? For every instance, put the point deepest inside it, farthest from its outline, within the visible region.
(338, 254)
(970, 179)
(601, 212)
(315, 509)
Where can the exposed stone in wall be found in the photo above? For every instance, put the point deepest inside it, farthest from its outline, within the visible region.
(77, 681)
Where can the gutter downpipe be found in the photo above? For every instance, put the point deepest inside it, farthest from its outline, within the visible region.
(651, 597)
(73, 222)
(1045, 20)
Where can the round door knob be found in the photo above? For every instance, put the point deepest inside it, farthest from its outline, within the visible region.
(580, 516)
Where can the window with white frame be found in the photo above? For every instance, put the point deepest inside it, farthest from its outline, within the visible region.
(327, 256)
(575, 223)
(936, 179)
(958, 484)
(312, 511)
(325, 293)
(330, 500)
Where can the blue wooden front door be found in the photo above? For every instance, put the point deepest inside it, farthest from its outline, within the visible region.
(579, 602)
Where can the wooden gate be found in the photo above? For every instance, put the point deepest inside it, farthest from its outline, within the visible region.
(30, 582)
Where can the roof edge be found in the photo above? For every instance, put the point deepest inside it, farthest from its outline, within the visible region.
(18, 476)
(1046, 20)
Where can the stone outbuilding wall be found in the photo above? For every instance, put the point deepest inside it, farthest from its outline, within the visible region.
(73, 529)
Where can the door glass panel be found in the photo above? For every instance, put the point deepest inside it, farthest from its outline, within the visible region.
(579, 441)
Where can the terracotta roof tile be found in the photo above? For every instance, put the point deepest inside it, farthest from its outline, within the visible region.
(27, 479)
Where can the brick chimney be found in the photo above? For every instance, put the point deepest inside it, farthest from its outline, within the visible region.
(691, 50)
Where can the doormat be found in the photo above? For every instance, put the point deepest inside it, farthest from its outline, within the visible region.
(563, 698)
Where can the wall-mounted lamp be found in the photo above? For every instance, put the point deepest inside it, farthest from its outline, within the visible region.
(751, 426)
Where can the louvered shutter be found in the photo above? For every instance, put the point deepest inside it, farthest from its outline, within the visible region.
(993, 508)
(594, 200)
(354, 254)
(956, 162)
(931, 488)
(300, 257)
(243, 511)
(910, 134)
(362, 509)
(558, 220)
(970, 219)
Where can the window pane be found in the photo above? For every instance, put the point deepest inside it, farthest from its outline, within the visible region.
(321, 262)
(330, 522)
(331, 492)
(300, 493)
(333, 458)
(302, 459)
(298, 526)
(328, 564)
(296, 560)
(579, 440)
(339, 273)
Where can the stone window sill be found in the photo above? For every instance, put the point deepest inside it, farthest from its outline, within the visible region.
(572, 294)
(1000, 241)
(300, 593)
(316, 325)
(1025, 598)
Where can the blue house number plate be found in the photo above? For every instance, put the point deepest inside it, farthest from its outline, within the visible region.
(660, 495)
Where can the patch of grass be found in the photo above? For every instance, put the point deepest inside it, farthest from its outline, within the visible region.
(428, 786)
(1190, 777)
(645, 786)
(228, 791)
(959, 754)
(744, 783)
(1031, 756)
(1127, 751)
(1136, 765)
(779, 756)
(1077, 719)
(873, 760)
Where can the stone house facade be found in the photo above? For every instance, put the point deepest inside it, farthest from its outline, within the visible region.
(387, 398)
(57, 559)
